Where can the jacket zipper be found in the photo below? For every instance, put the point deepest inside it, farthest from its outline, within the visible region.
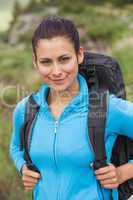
(55, 133)
(54, 150)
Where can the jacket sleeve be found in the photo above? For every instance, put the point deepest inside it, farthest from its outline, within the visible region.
(15, 153)
(120, 116)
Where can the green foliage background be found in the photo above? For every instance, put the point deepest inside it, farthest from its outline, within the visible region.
(110, 24)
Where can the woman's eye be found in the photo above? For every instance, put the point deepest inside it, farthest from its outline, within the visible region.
(45, 62)
(65, 59)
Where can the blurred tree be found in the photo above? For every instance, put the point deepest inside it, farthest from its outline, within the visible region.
(31, 5)
(121, 2)
(49, 2)
(115, 2)
(97, 2)
(16, 10)
(69, 5)
(44, 1)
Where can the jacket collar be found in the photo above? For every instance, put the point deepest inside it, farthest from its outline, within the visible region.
(79, 101)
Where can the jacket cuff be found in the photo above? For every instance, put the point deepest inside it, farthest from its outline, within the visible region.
(130, 161)
(20, 165)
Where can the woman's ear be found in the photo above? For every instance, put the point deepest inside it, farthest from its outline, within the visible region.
(34, 61)
(80, 55)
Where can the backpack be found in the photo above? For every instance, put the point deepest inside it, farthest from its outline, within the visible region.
(103, 76)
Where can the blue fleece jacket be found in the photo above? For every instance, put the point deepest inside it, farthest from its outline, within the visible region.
(61, 149)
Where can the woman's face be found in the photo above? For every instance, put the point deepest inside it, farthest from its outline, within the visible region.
(57, 62)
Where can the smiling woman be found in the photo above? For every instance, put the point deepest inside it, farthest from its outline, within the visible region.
(57, 161)
(57, 63)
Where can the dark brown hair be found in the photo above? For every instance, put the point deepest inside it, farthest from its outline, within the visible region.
(53, 26)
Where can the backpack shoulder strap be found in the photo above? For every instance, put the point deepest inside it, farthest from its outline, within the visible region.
(96, 117)
(96, 125)
(97, 106)
(25, 132)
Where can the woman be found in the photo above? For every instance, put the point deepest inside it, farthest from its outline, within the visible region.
(59, 146)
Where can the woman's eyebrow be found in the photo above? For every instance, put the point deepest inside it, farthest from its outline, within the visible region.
(63, 55)
(57, 58)
(45, 59)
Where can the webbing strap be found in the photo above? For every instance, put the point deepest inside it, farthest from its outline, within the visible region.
(30, 114)
(96, 123)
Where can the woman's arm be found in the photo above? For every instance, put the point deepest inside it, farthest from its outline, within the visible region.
(120, 117)
(18, 118)
(29, 177)
(125, 172)
(119, 121)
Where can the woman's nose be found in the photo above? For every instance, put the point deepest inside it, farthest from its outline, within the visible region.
(56, 70)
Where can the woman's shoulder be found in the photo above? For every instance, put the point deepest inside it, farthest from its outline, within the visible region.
(22, 102)
(19, 109)
(119, 104)
(20, 106)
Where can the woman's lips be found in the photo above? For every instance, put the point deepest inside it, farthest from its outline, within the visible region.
(59, 81)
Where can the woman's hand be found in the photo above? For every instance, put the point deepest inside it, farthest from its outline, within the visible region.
(29, 177)
(109, 176)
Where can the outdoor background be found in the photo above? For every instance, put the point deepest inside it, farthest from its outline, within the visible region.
(104, 27)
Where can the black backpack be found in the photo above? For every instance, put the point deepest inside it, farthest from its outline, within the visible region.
(103, 76)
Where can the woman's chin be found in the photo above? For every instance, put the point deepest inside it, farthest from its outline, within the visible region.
(59, 88)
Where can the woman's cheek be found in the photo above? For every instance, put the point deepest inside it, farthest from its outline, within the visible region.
(70, 67)
(44, 71)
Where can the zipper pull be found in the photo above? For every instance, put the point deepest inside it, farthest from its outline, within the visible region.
(55, 127)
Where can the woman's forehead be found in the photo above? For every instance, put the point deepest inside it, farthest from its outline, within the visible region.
(55, 46)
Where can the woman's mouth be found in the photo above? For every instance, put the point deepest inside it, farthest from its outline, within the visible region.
(59, 81)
